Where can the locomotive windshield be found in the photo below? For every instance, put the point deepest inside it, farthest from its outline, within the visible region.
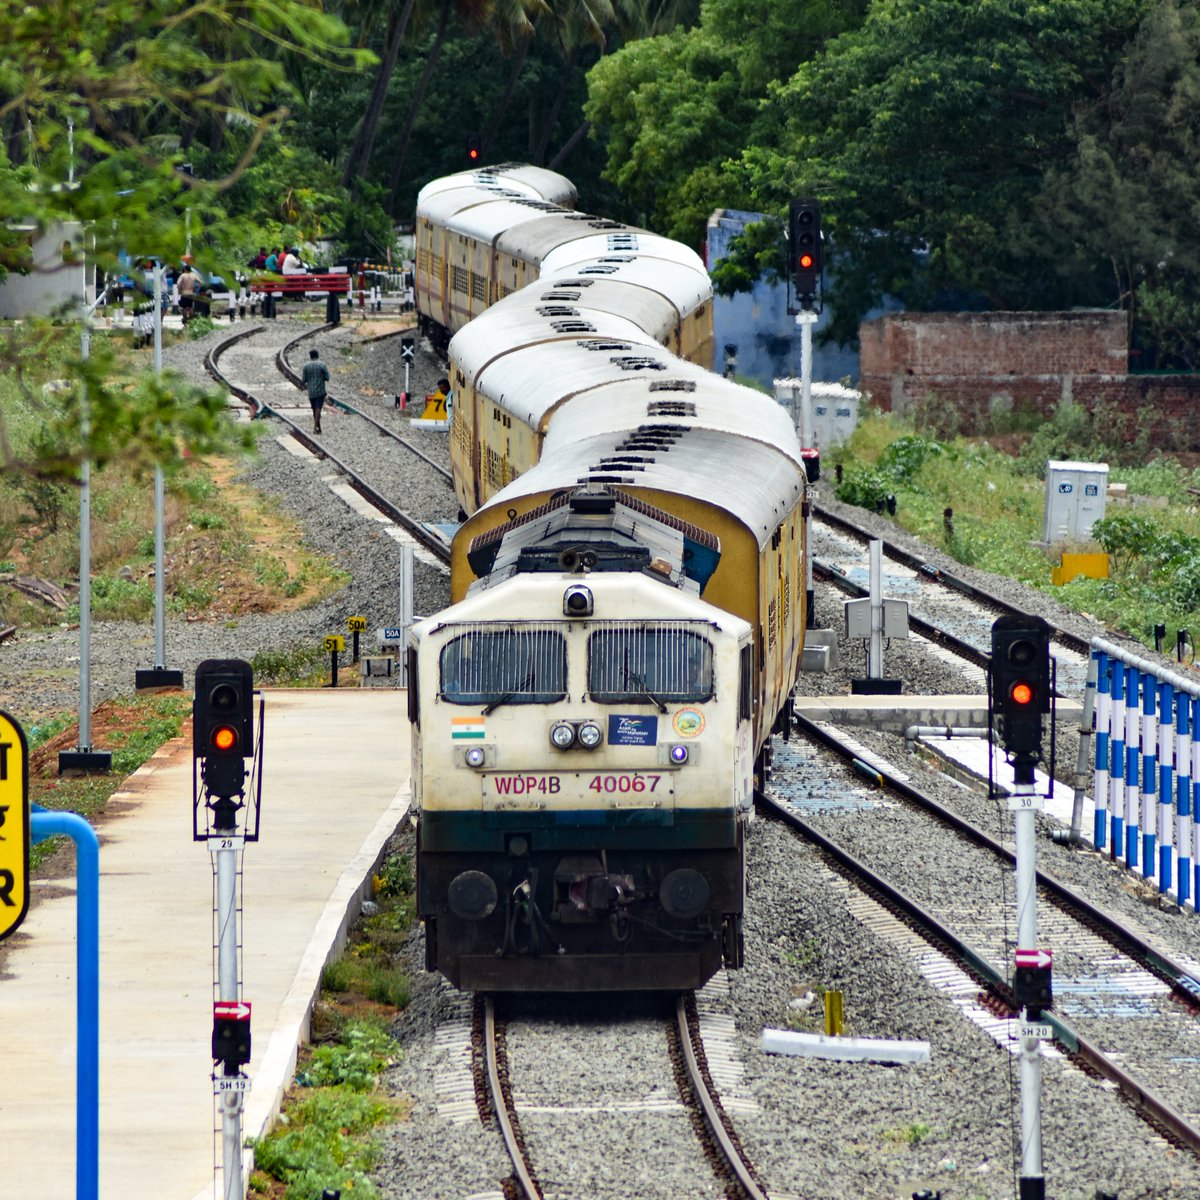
(656, 662)
(504, 666)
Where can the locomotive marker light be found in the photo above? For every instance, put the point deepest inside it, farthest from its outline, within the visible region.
(1019, 690)
(222, 739)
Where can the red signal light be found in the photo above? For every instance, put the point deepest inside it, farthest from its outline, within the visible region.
(224, 738)
(472, 154)
(806, 262)
(1021, 692)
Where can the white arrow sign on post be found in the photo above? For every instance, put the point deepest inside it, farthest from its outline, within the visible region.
(231, 1010)
(1034, 958)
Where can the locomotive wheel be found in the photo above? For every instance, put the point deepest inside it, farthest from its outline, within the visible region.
(733, 944)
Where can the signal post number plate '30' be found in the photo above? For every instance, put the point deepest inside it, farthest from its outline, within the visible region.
(513, 790)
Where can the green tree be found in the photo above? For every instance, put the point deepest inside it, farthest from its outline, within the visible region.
(676, 111)
(1129, 195)
(94, 98)
(926, 134)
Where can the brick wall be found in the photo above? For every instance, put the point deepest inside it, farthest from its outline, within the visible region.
(988, 365)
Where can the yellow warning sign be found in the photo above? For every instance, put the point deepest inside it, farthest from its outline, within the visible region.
(14, 825)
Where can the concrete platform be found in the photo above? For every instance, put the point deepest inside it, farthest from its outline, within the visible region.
(335, 788)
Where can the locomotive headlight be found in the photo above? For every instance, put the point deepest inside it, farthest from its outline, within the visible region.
(679, 755)
(562, 735)
(589, 735)
(578, 601)
(475, 757)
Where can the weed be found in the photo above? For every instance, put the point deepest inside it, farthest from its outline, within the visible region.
(365, 1049)
(200, 326)
(207, 520)
(908, 1135)
(805, 956)
(377, 982)
(295, 665)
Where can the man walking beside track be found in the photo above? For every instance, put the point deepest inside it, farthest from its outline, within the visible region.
(316, 376)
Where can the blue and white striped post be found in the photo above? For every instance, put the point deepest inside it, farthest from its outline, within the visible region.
(1183, 796)
(1149, 820)
(1166, 784)
(1196, 799)
(1103, 717)
(1132, 737)
(1116, 774)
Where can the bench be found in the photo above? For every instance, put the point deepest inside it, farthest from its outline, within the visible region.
(337, 283)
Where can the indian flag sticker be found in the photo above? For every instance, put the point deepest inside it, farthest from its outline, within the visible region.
(466, 729)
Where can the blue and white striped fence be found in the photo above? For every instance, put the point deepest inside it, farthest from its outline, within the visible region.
(1147, 712)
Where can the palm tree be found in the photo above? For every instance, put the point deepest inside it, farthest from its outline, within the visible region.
(473, 13)
(364, 138)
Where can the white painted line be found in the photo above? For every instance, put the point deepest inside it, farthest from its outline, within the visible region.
(295, 449)
(360, 504)
(406, 539)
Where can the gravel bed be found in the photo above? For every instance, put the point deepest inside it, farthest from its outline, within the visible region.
(39, 672)
(599, 1075)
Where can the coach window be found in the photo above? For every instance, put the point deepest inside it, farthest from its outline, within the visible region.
(504, 666)
(654, 663)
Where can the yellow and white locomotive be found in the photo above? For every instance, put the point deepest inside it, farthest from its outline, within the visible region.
(626, 624)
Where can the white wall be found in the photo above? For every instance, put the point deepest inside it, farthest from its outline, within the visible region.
(52, 283)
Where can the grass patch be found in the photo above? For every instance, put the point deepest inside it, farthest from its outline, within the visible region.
(297, 666)
(984, 508)
(131, 729)
(230, 551)
(325, 1135)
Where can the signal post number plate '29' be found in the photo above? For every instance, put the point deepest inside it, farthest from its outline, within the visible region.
(599, 789)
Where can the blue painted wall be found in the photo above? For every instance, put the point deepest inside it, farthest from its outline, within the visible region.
(757, 323)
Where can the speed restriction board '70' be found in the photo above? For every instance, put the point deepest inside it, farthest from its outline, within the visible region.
(14, 825)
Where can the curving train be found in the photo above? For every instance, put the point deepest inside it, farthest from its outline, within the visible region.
(627, 602)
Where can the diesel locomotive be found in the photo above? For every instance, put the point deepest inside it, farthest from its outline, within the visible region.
(627, 603)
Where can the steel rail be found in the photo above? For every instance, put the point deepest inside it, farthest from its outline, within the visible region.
(415, 528)
(924, 567)
(1157, 1110)
(932, 633)
(512, 1142)
(708, 1105)
(285, 369)
(1175, 974)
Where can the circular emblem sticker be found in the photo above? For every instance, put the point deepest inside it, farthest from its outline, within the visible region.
(688, 722)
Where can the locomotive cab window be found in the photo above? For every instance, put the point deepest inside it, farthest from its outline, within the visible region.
(504, 666)
(659, 663)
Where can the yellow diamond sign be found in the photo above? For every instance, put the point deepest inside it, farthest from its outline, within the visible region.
(14, 825)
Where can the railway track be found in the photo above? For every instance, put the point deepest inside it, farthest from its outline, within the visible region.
(732, 1173)
(359, 476)
(944, 608)
(1108, 969)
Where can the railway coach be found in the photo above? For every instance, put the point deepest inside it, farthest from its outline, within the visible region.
(627, 623)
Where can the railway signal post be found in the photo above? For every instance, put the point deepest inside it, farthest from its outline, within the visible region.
(223, 739)
(805, 267)
(1019, 691)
